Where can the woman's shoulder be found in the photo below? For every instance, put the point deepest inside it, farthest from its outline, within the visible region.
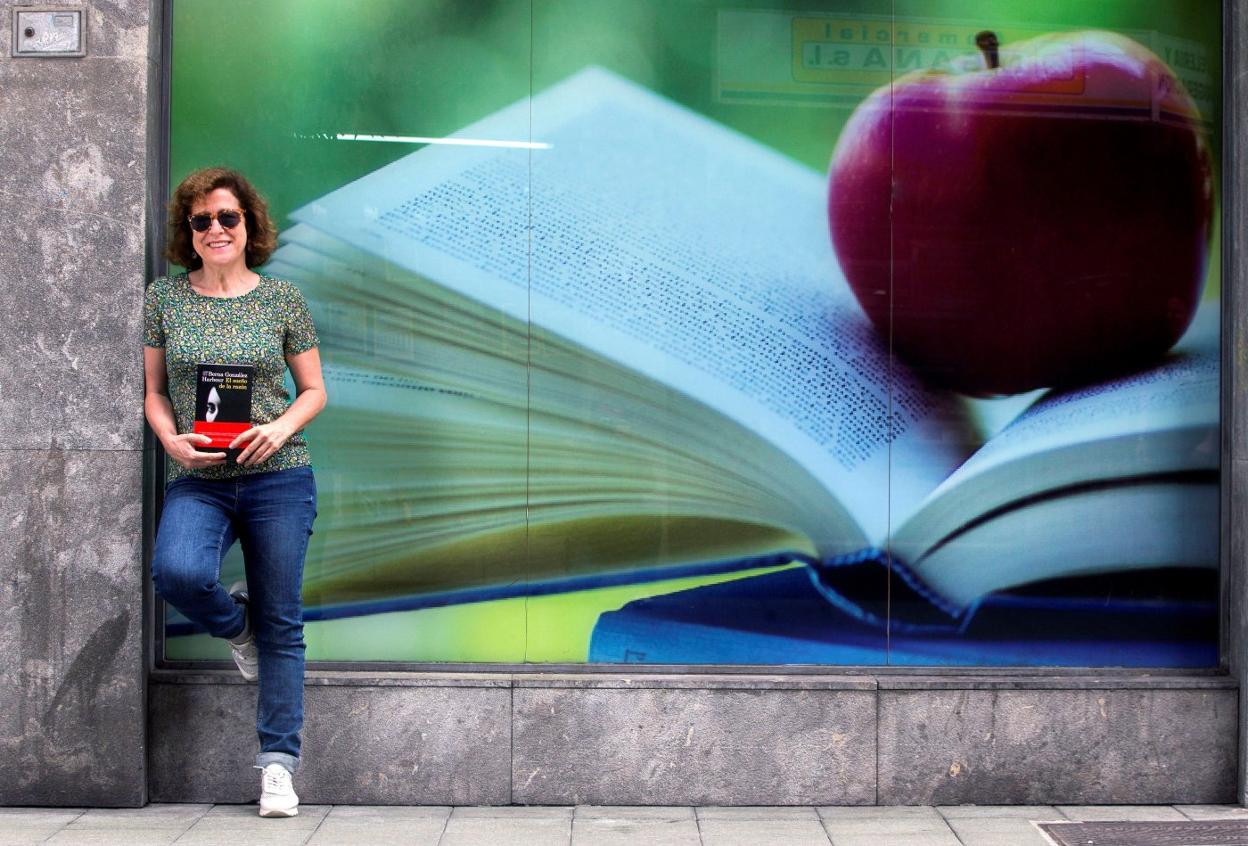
(282, 287)
(164, 286)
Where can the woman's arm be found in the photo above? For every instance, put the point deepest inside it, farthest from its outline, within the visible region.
(159, 412)
(268, 438)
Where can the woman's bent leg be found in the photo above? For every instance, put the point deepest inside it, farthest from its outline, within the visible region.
(194, 533)
(277, 521)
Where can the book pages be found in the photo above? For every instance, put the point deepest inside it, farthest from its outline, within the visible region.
(772, 338)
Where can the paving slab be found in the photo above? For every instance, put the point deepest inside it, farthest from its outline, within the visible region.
(515, 812)
(1000, 831)
(352, 831)
(635, 831)
(873, 812)
(936, 838)
(378, 824)
(234, 825)
(757, 813)
(647, 813)
(119, 836)
(309, 816)
(150, 817)
(1213, 812)
(369, 813)
(1121, 813)
(18, 818)
(884, 821)
(773, 832)
(897, 824)
(979, 812)
(26, 836)
(514, 831)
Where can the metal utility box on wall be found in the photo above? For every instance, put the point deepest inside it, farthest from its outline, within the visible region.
(49, 32)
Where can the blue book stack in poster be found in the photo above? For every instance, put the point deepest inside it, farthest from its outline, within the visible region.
(786, 618)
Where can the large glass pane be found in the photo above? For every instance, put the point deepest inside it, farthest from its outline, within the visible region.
(705, 332)
(409, 240)
(1055, 270)
(710, 417)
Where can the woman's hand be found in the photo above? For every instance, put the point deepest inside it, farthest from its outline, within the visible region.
(265, 439)
(182, 450)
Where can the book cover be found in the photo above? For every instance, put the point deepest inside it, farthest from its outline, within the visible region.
(222, 405)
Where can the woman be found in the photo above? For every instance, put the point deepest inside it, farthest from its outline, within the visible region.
(223, 312)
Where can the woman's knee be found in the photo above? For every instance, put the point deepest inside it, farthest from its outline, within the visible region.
(181, 577)
(278, 627)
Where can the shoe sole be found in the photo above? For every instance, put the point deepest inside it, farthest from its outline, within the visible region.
(280, 812)
(234, 590)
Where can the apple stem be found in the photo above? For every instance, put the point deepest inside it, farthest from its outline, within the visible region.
(988, 44)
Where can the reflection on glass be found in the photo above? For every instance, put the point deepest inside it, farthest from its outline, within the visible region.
(622, 370)
(1052, 206)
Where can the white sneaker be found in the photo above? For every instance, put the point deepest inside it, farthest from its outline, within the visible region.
(244, 649)
(277, 794)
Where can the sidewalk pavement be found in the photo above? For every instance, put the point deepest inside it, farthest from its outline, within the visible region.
(322, 825)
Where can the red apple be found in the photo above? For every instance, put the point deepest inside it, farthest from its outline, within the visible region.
(1037, 223)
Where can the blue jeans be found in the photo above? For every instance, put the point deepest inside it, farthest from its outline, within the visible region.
(271, 515)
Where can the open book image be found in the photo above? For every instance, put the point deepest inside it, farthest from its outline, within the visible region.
(623, 356)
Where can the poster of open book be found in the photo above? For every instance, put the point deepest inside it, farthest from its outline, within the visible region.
(608, 396)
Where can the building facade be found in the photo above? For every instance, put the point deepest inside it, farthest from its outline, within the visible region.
(575, 678)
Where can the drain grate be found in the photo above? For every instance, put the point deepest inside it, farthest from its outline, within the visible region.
(1211, 833)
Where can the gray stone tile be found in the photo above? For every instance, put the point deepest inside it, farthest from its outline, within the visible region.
(246, 815)
(13, 818)
(694, 747)
(894, 821)
(999, 812)
(1001, 831)
(83, 137)
(637, 813)
(71, 356)
(277, 832)
(385, 813)
(1213, 812)
(756, 812)
(904, 838)
(160, 815)
(71, 675)
(394, 829)
(1070, 746)
(1121, 813)
(781, 832)
(518, 831)
(420, 745)
(634, 830)
(117, 836)
(1234, 578)
(25, 836)
(695, 681)
(232, 825)
(843, 813)
(515, 812)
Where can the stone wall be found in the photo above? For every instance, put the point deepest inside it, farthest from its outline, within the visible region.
(669, 739)
(73, 188)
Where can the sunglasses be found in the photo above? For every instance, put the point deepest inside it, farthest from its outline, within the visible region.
(228, 218)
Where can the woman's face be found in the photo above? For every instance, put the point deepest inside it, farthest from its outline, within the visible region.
(219, 247)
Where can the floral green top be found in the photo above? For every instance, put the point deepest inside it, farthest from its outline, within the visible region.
(260, 328)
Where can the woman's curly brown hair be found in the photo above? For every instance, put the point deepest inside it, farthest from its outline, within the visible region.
(261, 231)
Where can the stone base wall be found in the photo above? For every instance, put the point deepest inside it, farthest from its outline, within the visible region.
(446, 739)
